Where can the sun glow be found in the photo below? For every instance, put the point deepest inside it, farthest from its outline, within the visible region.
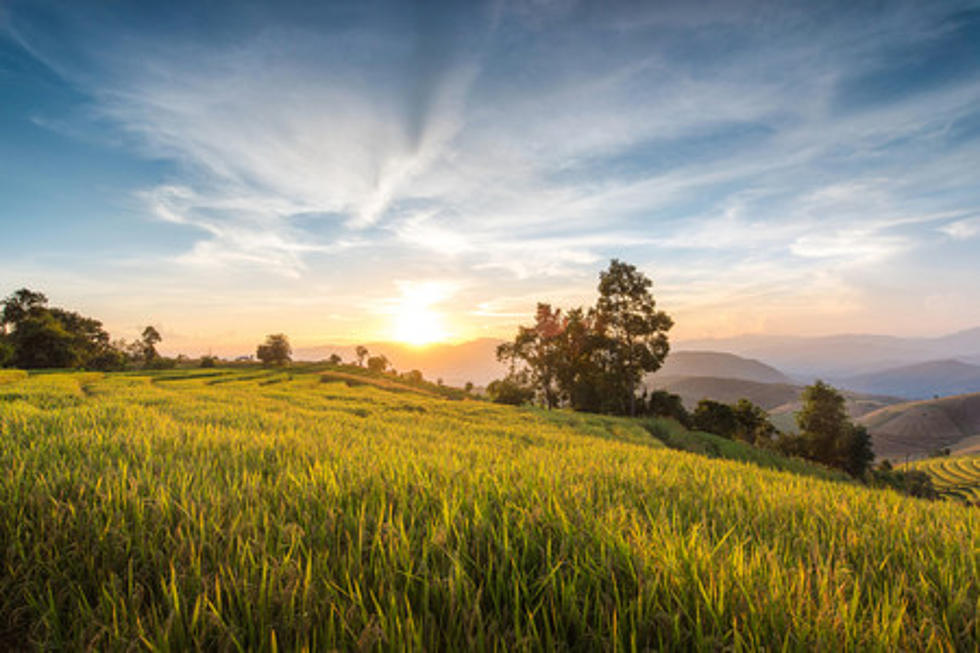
(414, 322)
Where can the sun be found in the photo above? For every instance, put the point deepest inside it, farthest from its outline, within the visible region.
(416, 325)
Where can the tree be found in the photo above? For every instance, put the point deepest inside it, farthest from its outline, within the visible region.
(830, 437)
(275, 350)
(513, 389)
(666, 404)
(335, 359)
(413, 376)
(19, 305)
(537, 347)
(715, 417)
(361, 352)
(209, 361)
(752, 423)
(148, 342)
(636, 331)
(377, 364)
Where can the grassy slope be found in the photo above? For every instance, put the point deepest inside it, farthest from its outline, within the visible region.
(954, 476)
(257, 514)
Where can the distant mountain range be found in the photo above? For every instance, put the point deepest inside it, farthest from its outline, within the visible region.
(919, 381)
(843, 356)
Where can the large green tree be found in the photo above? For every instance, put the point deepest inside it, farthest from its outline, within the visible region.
(593, 359)
(636, 331)
(36, 335)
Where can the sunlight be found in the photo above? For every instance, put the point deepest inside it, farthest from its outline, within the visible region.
(418, 326)
(414, 322)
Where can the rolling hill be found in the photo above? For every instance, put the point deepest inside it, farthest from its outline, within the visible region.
(270, 509)
(920, 381)
(719, 364)
(918, 427)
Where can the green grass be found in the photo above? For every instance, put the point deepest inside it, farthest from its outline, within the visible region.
(956, 477)
(150, 511)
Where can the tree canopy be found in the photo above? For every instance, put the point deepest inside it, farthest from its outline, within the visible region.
(275, 350)
(592, 359)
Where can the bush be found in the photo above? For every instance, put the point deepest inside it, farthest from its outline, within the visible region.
(715, 417)
(510, 390)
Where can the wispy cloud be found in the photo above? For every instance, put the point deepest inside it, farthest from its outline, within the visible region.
(517, 146)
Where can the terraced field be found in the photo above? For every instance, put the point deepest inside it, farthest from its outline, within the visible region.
(957, 477)
(268, 510)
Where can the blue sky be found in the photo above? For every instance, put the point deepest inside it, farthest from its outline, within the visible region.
(227, 170)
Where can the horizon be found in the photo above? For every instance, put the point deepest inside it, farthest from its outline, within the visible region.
(427, 172)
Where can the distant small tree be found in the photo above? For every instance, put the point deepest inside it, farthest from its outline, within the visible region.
(414, 376)
(149, 339)
(335, 359)
(209, 361)
(715, 417)
(468, 388)
(275, 350)
(377, 364)
(361, 352)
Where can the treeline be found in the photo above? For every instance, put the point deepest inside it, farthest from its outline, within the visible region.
(34, 335)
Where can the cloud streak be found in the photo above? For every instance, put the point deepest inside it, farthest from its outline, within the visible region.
(505, 145)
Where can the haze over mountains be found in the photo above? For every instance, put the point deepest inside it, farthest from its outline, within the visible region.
(843, 356)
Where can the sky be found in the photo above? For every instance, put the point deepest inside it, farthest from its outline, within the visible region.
(372, 170)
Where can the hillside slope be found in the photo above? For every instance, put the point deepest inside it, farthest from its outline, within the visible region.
(718, 364)
(915, 428)
(247, 511)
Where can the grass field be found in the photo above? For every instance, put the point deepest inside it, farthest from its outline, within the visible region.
(275, 510)
(957, 477)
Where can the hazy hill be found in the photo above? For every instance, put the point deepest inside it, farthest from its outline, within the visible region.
(920, 381)
(780, 399)
(918, 427)
(719, 364)
(841, 356)
(474, 360)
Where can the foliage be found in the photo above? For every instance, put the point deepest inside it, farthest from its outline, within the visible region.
(715, 417)
(828, 436)
(335, 359)
(275, 351)
(752, 423)
(209, 361)
(594, 359)
(513, 390)
(361, 352)
(247, 510)
(34, 335)
(149, 339)
(378, 363)
(661, 403)
(914, 482)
